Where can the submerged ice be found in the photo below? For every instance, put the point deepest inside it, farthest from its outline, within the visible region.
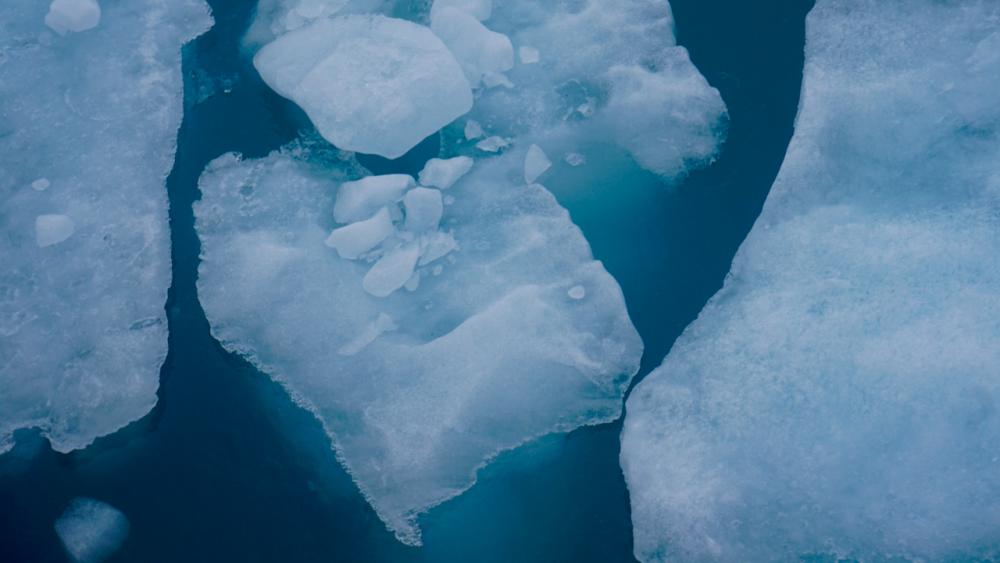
(87, 135)
(431, 322)
(91, 530)
(838, 397)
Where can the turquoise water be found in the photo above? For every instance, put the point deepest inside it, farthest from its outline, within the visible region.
(227, 469)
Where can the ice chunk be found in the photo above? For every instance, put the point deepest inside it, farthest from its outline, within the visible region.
(479, 50)
(423, 209)
(370, 84)
(89, 124)
(473, 130)
(392, 271)
(479, 9)
(91, 530)
(377, 328)
(577, 292)
(837, 400)
(491, 337)
(73, 15)
(528, 55)
(575, 159)
(536, 163)
(443, 173)
(360, 237)
(493, 144)
(360, 199)
(53, 229)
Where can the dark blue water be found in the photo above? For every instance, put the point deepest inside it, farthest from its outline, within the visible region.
(227, 469)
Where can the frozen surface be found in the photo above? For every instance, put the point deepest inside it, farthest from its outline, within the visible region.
(418, 386)
(839, 396)
(87, 131)
(91, 530)
(369, 83)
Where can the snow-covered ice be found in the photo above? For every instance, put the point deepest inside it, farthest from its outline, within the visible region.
(838, 398)
(369, 83)
(91, 530)
(89, 122)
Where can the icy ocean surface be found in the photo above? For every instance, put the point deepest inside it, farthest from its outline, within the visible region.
(840, 393)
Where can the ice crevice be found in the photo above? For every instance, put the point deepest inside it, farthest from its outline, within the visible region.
(432, 321)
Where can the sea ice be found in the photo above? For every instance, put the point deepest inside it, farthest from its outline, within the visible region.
(89, 123)
(424, 208)
(360, 237)
(443, 173)
(369, 83)
(536, 163)
(91, 530)
(360, 199)
(479, 50)
(478, 325)
(73, 15)
(838, 398)
(479, 9)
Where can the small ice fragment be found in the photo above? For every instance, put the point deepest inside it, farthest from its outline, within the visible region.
(360, 237)
(575, 159)
(413, 283)
(392, 271)
(91, 530)
(73, 15)
(381, 325)
(41, 184)
(435, 246)
(577, 292)
(473, 130)
(53, 229)
(528, 55)
(478, 50)
(493, 144)
(479, 9)
(494, 79)
(423, 209)
(450, 199)
(536, 162)
(360, 199)
(443, 173)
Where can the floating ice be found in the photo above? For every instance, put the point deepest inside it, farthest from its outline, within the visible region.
(443, 173)
(91, 530)
(479, 50)
(360, 199)
(370, 84)
(473, 130)
(479, 9)
(536, 163)
(424, 208)
(412, 403)
(52, 229)
(528, 55)
(73, 15)
(837, 400)
(89, 122)
(493, 144)
(360, 237)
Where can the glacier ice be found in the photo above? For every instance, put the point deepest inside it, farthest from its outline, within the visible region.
(87, 136)
(369, 83)
(91, 530)
(838, 398)
(410, 382)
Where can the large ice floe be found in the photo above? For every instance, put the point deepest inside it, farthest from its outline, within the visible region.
(432, 322)
(91, 530)
(88, 121)
(838, 399)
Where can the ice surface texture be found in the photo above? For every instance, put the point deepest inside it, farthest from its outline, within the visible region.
(91, 530)
(420, 388)
(839, 396)
(87, 131)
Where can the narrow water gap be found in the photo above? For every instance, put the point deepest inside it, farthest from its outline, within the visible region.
(215, 474)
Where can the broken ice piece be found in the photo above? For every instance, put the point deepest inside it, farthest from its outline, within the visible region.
(436, 245)
(577, 292)
(493, 144)
(73, 15)
(478, 50)
(423, 209)
(360, 237)
(479, 9)
(360, 199)
(381, 325)
(392, 271)
(443, 173)
(53, 229)
(575, 159)
(528, 55)
(536, 162)
(473, 130)
(91, 530)
(41, 184)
